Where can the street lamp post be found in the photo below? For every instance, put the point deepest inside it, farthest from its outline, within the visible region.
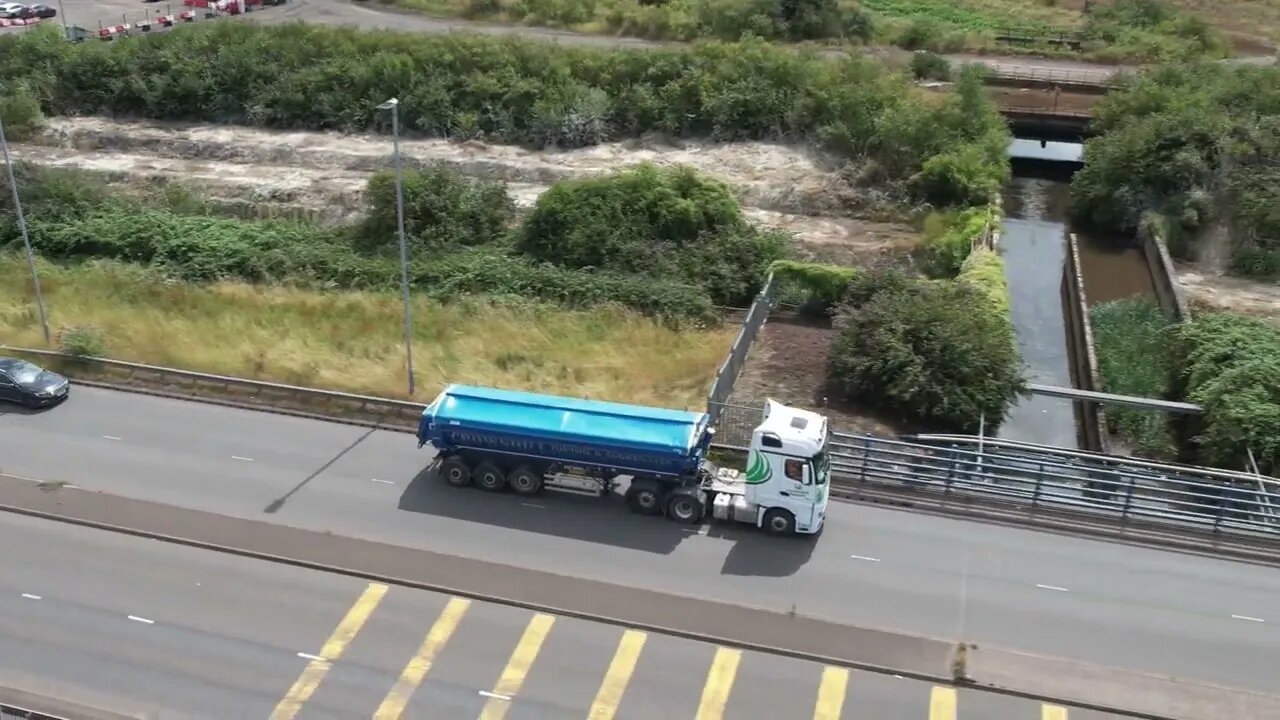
(26, 240)
(394, 106)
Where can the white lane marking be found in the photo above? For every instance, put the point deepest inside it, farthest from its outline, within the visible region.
(488, 694)
(237, 457)
(110, 437)
(1054, 588)
(309, 656)
(384, 482)
(533, 505)
(864, 557)
(1248, 618)
(29, 596)
(143, 620)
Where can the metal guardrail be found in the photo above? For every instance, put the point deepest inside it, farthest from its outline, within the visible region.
(729, 371)
(1056, 76)
(1045, 112)
(16, 712)
(1186, 498)
(240, 392)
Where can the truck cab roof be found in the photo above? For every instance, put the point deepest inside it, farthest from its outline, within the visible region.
(791, 431)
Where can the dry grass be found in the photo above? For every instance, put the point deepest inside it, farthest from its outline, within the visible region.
(352, 341)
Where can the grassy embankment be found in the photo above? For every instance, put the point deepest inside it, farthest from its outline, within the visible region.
(352, 341)
(1136, 30)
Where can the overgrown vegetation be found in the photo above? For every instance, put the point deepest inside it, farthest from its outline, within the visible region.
(1230, 365)
(1134, 344)
(937, 352)
(950, 237)
(1195, 152)
(518, 91)
(352, 341)
(815, 287)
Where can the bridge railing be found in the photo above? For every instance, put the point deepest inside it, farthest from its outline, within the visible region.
(222, 389)
(1037, 477)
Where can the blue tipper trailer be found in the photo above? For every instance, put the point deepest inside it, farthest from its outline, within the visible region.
(527, 442)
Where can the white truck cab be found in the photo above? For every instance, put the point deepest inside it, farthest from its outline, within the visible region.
(786, 486)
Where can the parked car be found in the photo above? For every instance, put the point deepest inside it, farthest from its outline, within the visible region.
(11, 10)
(39, 11)
(31, 385)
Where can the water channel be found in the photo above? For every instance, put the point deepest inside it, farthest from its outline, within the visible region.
(1033, 244)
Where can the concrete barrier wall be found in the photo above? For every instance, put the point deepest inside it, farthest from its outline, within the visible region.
(1163, 277)
(1082, 356)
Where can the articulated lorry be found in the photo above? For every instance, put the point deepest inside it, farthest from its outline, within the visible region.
(501, 440)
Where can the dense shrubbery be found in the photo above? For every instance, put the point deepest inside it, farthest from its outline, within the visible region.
(1134, 344)
(1198, 146)
(20, 112)
(72, 216)
(950, 236)
(815, 287)
(938, 352)
(1230, 365)
(1151, 30)
(441, 209)
(668, 223)
(509, 90)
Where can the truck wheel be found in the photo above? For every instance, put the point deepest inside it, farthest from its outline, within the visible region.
(684, 508)
(779, 522)
(644, 498)
(489, 477)
(455, 471)
(524, 481)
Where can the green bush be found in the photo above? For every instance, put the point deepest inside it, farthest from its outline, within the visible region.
(926, 350)
(82, 341)
(950, 236)
(20, 112)
(1153, 30)
(816, 287)
(1230, 365)
(669, 223)
(442, 208)
(509, 90)
(1196, 145)
(983, 270)
(1134, 344)
(930, 66)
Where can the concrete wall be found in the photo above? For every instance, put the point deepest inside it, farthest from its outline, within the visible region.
(1083, 357)
(1163, 277)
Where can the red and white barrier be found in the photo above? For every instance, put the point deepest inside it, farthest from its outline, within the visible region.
(18, 22)
(111, 31)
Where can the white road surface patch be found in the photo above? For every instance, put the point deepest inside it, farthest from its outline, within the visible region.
(488, 694)
(237, 457)
(1054, 588)
(864, 557)
(384, 482)
(142, 620)
(533, 505)
(1248, 618)
(29, 596)
(309, 656)
(110, 437)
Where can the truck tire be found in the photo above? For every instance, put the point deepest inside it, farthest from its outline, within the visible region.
(525, 481)
(779, 522)
(455, 471)
(489, 477)
(644, 497)
(685, 508)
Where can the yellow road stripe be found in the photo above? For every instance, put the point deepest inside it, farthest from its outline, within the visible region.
(420, 664)
(517, 667)
(942, 703)
(617, 677)
(1053, 712)
(831, 693)
(342, 636)
(715, 694)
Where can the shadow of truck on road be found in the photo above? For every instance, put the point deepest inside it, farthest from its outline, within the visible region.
(606, 521)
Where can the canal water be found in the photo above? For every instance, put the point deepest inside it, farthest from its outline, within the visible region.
(1033, 244)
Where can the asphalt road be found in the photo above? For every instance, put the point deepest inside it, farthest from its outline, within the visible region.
(1094, 602)
(155, 629)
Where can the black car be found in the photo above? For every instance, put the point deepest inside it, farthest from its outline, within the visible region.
(31, 385)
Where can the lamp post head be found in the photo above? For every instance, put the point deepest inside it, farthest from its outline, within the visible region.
(390, 104)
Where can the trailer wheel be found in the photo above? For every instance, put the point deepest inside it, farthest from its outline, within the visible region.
(685, 508)
(644, 498)
(455, 471)
(489, 477)
(779, 522)
(524, 481)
